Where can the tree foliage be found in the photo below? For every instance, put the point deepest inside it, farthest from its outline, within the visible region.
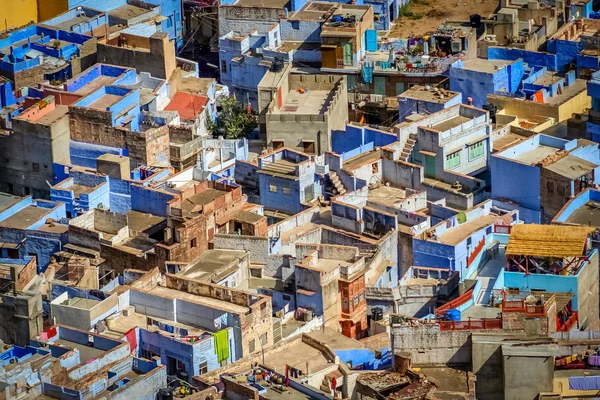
(233, 121)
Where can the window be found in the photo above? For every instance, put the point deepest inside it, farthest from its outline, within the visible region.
(251, 346)
(469, 241)
(286, 190)
(362, 296)
(278, 144)
(224, 66)
(203, 368)
(308, 147)
(476, 150)
(263, 306)
(374, 168)
(273, 188)
(550, 186)
(287, 297)
(296, 25)
(275, 35)
(193, 243)
(169, 23)
(453, 160)
(263, 339)
(355, 300)
(488, 230)
(36, 167)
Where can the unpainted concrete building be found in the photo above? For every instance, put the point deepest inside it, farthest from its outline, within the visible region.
(304, 112)
(39, 139)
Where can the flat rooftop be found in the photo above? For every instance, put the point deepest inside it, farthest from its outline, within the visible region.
(48, 119)
(361, 160)
(203, 198)
(281, 168)
(313, 11)
(587, 214)
(487, 66)
(456, 235)
(105, 102)
(67, 24)
(207, 301)
(247, 216)
(327, 265)
(85, 352)
(420, 93)
(262, 3)
(571, 167)
(80, 302)
(26, 217)
(139, 222)
(125, 323)
(505, 141)
(210, 265)
(568, 92)
(310, 102)
(387, 195)
(536, 155)
(128, 11)
(96, 84)
(450, 123)
(8, 200)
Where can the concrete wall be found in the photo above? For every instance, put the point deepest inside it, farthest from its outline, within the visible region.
(430, 346)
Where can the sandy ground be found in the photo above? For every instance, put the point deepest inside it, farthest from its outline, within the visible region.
(435, 12)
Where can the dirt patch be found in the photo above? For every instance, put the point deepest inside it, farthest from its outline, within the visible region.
(425, 16)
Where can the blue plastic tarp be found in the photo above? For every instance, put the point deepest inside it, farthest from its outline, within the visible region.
(584, 383)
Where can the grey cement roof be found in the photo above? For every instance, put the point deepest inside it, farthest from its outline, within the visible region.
(587, 214)
(209, 264)
(262, 3)
(8, 200)
(25, 217)
(571, 167)
(139, 221)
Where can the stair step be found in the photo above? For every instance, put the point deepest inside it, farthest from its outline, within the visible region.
(411, 141)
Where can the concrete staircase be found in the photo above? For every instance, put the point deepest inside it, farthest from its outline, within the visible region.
(408, 147)
(336, 183)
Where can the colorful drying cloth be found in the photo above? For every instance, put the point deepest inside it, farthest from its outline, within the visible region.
(222, 345)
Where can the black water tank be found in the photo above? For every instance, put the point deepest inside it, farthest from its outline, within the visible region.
(277, 64)
(377, 314)
(164, 394)
(475, 20)
(491, 108)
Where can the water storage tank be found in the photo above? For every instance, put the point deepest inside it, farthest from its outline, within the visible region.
(164, 394)
(453, 314)
(377, 313)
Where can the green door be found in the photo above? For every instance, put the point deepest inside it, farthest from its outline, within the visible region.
(379, 82)
(347, 53)
(429, 166)
(399, 88)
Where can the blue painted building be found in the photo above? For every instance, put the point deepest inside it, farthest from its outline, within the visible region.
(593, 90)
(287, 180)
(457, 243)
(581, 211)
(26, 230)
(384, 12)
(82, 190)
(40, 52)
(125, 12)
(8, 103)
(573, 269)
(477, 78)
(535, 161)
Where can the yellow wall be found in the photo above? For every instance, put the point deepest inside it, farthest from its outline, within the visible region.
(50, 8)
(16, 13)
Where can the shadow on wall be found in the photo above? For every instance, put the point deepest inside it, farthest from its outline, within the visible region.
(365, 359)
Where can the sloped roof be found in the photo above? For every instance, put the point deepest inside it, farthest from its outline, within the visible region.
(547, 240)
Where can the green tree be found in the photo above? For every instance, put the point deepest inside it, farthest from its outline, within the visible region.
(233, 121)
